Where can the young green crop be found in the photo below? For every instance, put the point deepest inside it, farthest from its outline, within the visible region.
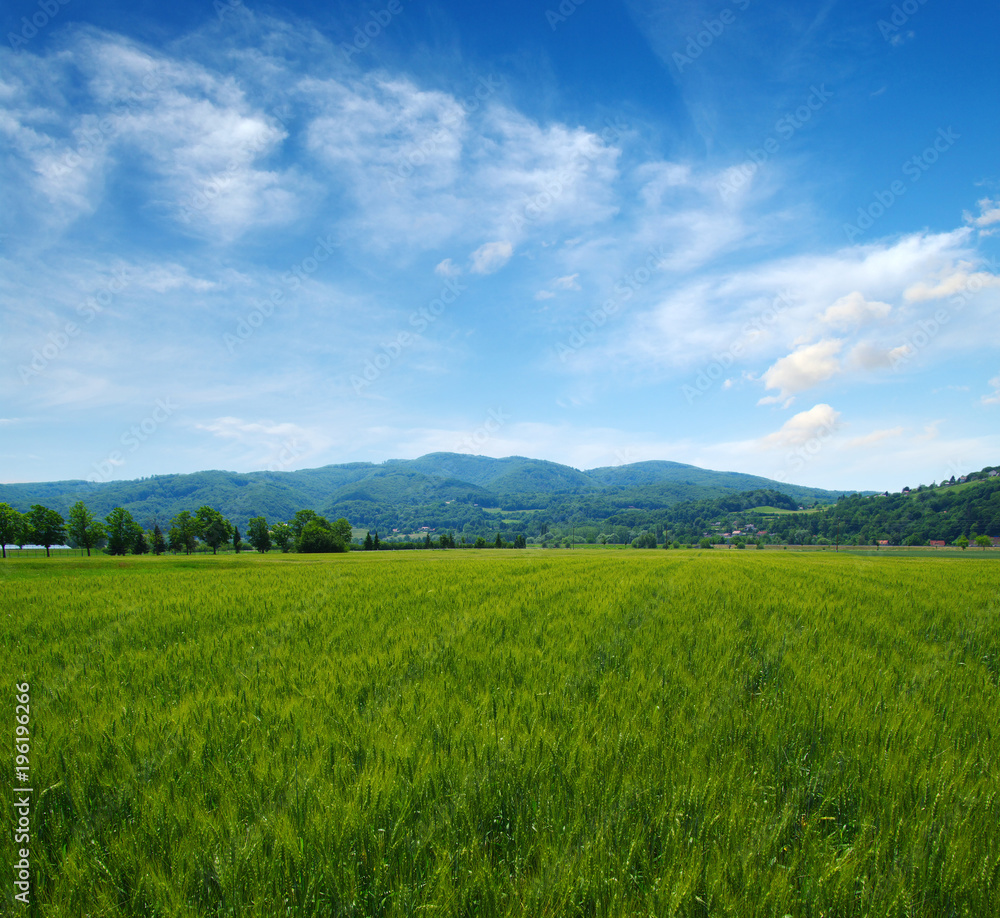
(501, 733)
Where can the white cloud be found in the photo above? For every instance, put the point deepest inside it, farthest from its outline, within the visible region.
(994, 397)
(989, 213)
(853, 310)
(876, 436)
(567, 283)
(815, 423)
(961, 281)
(544, 295)
(447, 268)
(804, 368)
(491, 257)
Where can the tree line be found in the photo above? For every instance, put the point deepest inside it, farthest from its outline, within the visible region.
(119, 533)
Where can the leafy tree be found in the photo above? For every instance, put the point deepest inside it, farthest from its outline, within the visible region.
(259, 535)
(140, 546)
(645, 540)
(122, 531)
(427, 541)
(344, 532)
(159, 545)
(45, 527)
(705, 543)
(369, 544)
(301, 518)
(183, 532)
(86, 531)
(983, 541)
(376, 544)
(237, 541)
(962, 541)
(282, 535)
(11, 526)
(499, 542)
(318, 536)
(213, 528)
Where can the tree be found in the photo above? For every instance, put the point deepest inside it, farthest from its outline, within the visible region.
(122, 531)
(258, 535)
(983, 541)
(183, 532)
(376, 544)
(159, 545)
(236, 539)
(705, 543)
(45, 527)
(86, 531)
(301, 518)
(369, 544)
(344, 532)
(281, 535)
(962, 541)
(11, 526)
(499, 542)
(140, 546)
(213, 528)
(318, 537)
(645, 540)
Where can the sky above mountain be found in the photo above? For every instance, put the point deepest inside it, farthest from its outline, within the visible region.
(748, 236)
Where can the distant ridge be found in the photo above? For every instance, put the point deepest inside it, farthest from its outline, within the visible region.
(442, 490)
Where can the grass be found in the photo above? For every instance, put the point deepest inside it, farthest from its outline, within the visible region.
(500, 733)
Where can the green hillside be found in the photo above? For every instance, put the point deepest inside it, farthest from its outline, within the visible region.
(439, 491)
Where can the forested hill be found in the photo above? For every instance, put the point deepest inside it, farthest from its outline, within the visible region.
(440, 490)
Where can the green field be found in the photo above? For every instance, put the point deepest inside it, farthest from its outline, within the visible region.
(505, 733)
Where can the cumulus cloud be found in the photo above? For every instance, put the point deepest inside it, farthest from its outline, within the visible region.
(819, 421)
(961, 281)
(804, 368)
(491, 257)
(994, 397)
(989, 213)
(853, 310)
(868, 356)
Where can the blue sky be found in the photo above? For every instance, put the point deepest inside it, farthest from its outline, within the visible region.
(747, 236)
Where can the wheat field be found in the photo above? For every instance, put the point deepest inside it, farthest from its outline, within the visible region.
(508, 733)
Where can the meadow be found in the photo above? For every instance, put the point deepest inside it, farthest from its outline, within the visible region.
(676, 733)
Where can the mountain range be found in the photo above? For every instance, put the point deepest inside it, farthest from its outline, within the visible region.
(438, 491)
